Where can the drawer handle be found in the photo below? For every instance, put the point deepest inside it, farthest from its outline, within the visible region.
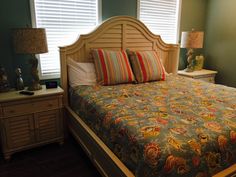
(50, 105)
(12, 111)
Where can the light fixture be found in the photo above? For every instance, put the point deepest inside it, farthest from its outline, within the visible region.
(31, 41)
(191, 40)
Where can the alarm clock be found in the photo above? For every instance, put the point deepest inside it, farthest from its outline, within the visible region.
(51, 84)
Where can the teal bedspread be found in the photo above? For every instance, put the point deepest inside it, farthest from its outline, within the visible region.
(177, 127)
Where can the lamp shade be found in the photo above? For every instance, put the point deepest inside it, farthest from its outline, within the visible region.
(192, 39)
(30, 40)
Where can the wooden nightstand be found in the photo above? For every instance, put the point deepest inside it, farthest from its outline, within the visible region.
(29, 121)
(205, 75)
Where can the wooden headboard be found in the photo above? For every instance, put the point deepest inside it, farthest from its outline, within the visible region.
(118, 33)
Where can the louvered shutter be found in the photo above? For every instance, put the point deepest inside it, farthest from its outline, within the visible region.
(161, 17)
(63, 20)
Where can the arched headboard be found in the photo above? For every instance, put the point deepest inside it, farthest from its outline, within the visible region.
(118, 33)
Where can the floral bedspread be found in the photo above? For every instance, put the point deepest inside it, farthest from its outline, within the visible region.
(177, 127)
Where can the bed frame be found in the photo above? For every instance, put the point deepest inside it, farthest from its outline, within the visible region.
(116, 33)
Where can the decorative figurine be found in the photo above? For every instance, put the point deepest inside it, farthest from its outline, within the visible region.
(4, 84)
(19, 80)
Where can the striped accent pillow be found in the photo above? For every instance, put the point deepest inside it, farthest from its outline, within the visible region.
(146, 66)
(112, 67)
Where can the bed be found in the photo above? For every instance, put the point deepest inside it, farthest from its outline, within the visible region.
(176, 117)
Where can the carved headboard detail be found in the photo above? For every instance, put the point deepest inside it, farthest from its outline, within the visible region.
(118, 33)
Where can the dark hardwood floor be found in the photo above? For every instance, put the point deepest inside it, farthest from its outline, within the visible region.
(52, 160)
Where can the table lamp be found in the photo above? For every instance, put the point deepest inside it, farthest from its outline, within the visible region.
(191, 40)
(31, 41)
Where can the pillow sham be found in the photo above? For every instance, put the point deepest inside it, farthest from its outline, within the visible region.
(112, 67)
(81, 73)
(146, 66)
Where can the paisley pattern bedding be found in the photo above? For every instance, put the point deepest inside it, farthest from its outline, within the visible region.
(177, 127)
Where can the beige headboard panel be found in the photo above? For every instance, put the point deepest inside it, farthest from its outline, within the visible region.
(118, 33)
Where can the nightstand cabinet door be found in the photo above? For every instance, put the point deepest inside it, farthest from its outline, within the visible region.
(48, 125)
(19, 131)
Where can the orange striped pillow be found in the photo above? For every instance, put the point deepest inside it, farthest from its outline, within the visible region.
(112, 67)
(146, 66)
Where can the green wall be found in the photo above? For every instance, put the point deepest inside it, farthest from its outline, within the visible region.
(220, 48)
(15, 13)
(118, 7)
(193, 15)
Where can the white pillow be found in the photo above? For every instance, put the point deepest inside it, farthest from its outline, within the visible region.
(81, 73)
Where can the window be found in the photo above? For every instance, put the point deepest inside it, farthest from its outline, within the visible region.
(161, 17)
(63, 20)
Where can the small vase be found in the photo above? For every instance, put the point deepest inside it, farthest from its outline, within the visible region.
(19, 80)
(199, 61)
(19, 83)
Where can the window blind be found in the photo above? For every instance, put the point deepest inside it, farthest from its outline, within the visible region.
(63, 21)
(161, 17)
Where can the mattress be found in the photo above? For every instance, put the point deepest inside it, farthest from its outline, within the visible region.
(177, 127)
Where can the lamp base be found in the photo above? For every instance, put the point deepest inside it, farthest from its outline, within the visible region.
(35, 77)
(190, 60)
(35, 86)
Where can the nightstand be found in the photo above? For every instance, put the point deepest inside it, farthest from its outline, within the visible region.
(204, 74)
(29, 121)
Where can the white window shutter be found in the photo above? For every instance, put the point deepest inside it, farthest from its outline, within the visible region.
(63, 20)
(161, 17)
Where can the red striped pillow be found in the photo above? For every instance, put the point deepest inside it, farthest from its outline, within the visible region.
(112, 67)
(146, 66)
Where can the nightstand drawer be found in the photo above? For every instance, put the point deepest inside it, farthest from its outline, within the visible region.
(17, 109)
(43, 105)
(208, 79)
(37, 105)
